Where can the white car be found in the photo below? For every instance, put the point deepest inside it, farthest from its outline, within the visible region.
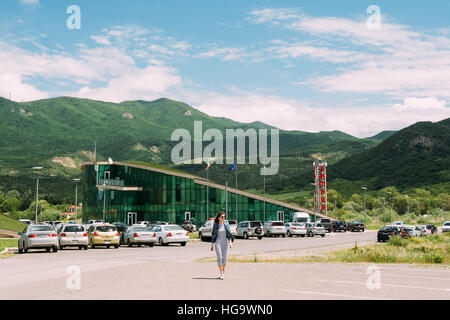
(295, 229)
(274, 228)
(170, 233)
(413, 231)
(205, 230)
(38, 236)
(398, 224)
(446, 226)
(73, 235)
(139, 235)
(424, 230)
(91, 223)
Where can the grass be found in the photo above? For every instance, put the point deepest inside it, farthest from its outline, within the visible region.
(7, 243)
(193, 235)
(11, 224)
(433, 249)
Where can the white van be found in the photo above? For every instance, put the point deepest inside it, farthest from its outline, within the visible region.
(27, 221)
(301, 217)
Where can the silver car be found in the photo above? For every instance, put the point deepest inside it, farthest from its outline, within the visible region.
(246, 229)
(139, 235)
(413, 231)
(446, 226)
(205, 230)
(38, 236)
(170, 233)
(73, 235)
(274, 228)
(295, 229)
(313, 229)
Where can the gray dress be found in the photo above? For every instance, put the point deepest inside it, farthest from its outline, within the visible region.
(221, 245)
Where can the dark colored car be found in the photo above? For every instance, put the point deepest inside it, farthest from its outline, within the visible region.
(121, 228)
(338, 226)
(355, 225)
(326, 224)
(385, 232)
(188, 226)
(432, 228)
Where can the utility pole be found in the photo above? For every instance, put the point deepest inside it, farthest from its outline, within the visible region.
(390, 215)
(365, 218)
(264, 194)
(384, 213)
(37, 193)
(335, 215)
(76, 198)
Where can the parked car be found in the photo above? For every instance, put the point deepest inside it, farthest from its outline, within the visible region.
(170, 233)
(301, 217)
(90, 223)
(205, 230)
(338, 225)
(274, 228)
(355, 225)
(313, 229)
(432, 228)
(26, 221)
(73, 235)
(189, 226)
(138, 235)
(386, 232)
(38, 236)
(326, 223)
(246, 229)
(103, 235)
(446, 226)
(295, 229)
(233, 227)
(120, 226)
(398, 224)
(413, 231)
(424, 230)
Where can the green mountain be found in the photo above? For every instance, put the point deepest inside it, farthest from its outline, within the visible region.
(59, 134)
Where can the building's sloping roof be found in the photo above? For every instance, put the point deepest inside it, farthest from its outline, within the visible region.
(203, 181)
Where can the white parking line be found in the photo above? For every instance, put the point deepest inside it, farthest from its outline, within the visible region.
(333, 294)
(386, 285)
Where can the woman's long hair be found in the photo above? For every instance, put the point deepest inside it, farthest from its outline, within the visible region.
(216, 220)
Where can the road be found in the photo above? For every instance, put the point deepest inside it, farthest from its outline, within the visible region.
(172, 273)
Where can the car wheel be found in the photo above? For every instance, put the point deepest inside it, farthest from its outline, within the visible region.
(302, 235)
(161, 242)
(245, 235)
(183, 244)
(25, 249)
(150, 245)
(55, 249)
(85, 247)
(107, 246)
(200, 236)
(322, 235)
(48, 249)
(80, 248)
(311, 234)
(139, 245)
(259, 238)
(284, 236)
(289, 234)
(116, 246)
(129, 243)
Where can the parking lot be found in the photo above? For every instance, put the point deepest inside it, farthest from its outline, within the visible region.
(170, 272)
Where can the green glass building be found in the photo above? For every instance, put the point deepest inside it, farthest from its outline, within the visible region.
(131, 192)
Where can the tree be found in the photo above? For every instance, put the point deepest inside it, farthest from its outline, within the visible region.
(11, 204)
(400, 203)
(13, 194)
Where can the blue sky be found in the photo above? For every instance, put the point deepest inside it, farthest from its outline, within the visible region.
(303, 65)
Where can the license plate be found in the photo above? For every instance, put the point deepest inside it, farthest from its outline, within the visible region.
(179, 234)
(42, 236)
(107, 241)
(75, 241)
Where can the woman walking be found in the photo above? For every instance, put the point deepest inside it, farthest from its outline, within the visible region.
(220, 239)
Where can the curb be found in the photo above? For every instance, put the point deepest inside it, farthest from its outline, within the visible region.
(7, 250)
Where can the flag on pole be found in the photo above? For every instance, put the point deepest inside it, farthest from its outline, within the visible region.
(233, 167)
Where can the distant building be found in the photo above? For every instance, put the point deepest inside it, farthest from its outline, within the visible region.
(72, 211)
(146, 192)
(188, 113)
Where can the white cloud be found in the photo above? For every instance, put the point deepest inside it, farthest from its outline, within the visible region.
(101, 40)
(29, 2)
(11, 83)
(225, 54)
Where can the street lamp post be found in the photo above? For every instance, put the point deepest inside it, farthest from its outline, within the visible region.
(335, 207)
(390, 215)
(314, 194)
(264, 194)
(76, 198)
(365, 218)
(105, 190)
(37, 193)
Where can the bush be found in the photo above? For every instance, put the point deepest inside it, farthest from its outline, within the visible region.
(397, 242)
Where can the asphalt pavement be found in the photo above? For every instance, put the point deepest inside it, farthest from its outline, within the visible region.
(173, 273)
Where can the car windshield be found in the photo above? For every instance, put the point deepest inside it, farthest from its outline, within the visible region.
(232, 222)
(386, 229)
(106, 228)
(41, 228)
(254, 224)
(296, 224)
(142, 229)
(172, 228)
(325, 220)
(278, 224)
(447, 224)
(319, 225)
(73, 229)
